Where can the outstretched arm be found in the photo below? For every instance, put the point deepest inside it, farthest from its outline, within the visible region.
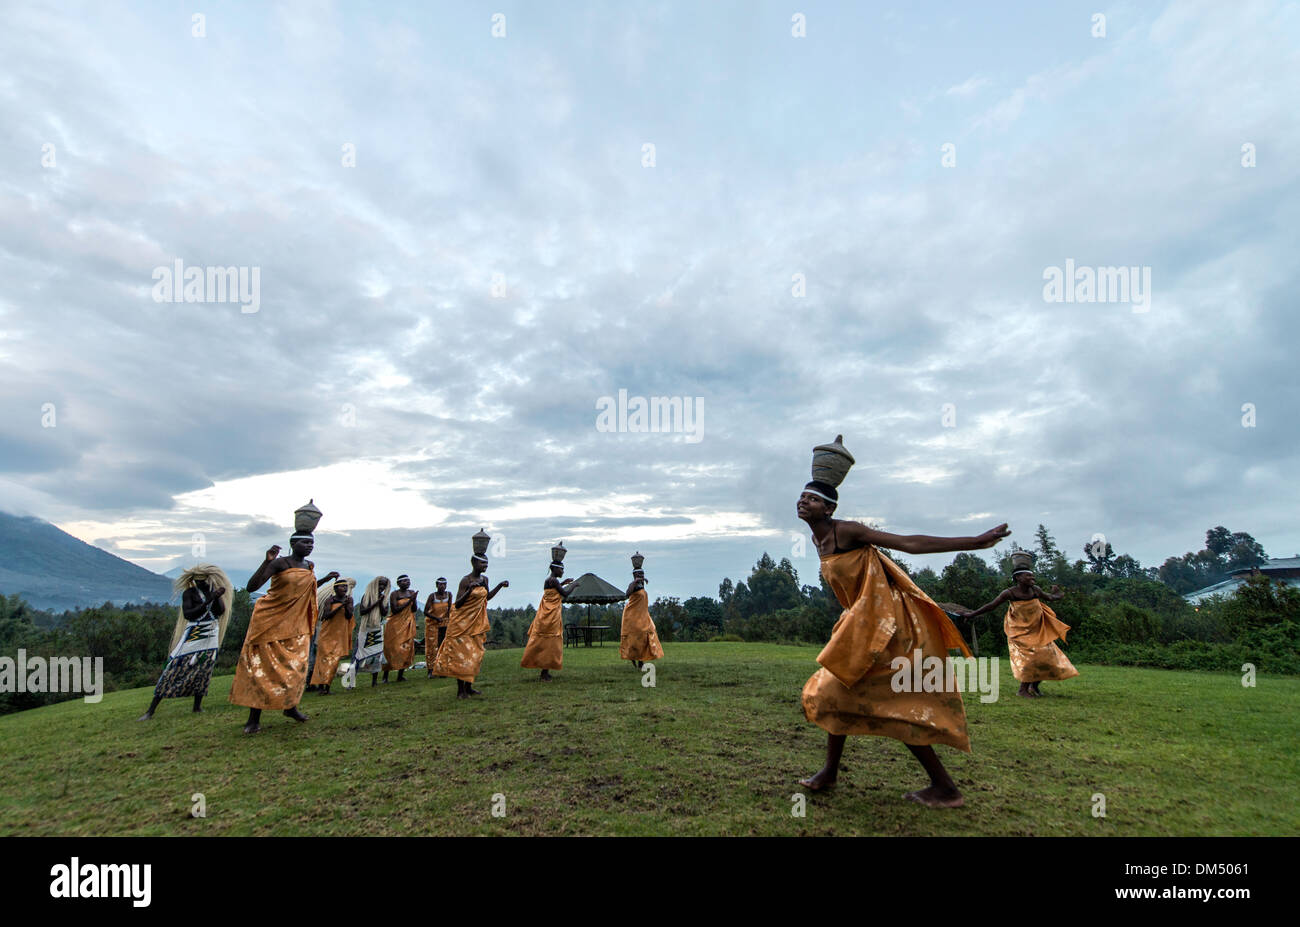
(1056, 594)
(333, 574)
(1002, 597)
(855, 534)
(499, 586)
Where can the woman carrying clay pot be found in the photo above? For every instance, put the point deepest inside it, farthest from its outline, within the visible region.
(886, 618)
(1032, 629)
(638, 638)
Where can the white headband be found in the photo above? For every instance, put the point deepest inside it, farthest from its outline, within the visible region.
(813, 492)
(1018, 572)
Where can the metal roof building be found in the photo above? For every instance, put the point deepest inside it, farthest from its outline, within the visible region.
(1285, 570)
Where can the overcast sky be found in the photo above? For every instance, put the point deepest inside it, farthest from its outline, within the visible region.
(438, 321)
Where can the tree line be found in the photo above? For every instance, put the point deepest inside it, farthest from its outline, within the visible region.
(1119, 613)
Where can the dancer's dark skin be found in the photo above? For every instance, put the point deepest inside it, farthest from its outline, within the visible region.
(273, 564)
(1024, 590)
(816, 512)
(440, 595)
(398, 601)
(476, 577)
(194, 604)
(332, 611)
(563, 588)
(638, 582)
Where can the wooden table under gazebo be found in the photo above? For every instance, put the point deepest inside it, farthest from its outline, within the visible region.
(590, 590)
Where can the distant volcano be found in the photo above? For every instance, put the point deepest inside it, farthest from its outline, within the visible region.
(54, 571)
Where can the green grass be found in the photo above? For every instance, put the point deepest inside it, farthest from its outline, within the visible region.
(714, 748)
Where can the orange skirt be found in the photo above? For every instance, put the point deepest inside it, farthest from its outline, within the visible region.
(333, 644)
(271, 675)
(399, 642)
(460, 657)
(873, 707)
(640, 645)
(431, 627)
(1039, 664)
(544, 651)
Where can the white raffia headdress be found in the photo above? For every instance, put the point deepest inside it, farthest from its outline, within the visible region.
(372, 617)
(215, 577)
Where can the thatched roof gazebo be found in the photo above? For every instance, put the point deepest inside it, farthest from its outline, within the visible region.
(591, 590)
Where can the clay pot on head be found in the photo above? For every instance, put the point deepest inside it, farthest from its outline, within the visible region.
(480, 541)
(637, 560)
(831, 462)
(1021, 560)
(306, 518)
(558, 552)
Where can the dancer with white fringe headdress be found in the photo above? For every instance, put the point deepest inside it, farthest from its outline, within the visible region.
(200, 627)
(369, 657)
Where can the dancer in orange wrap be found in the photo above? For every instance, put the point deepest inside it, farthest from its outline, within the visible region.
(399, 632)
(638, 639)
(1032, 630)
(461, 652)
(334, 640)
(272, 668)
(545, 648)
(886, 617)
(436, 612)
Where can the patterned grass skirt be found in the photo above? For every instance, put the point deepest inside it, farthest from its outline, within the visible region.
(186, 675)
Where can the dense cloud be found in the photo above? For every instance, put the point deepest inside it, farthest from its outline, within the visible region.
(437, 324)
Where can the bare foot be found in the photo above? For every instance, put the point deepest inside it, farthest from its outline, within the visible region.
(937, 796)
(473, 691)
(197, 711)
(148, 716)
(295, 714)
(252, 728)
(462, 695)
(819, 782)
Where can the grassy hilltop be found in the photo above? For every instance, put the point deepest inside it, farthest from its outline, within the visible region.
(714, 748)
